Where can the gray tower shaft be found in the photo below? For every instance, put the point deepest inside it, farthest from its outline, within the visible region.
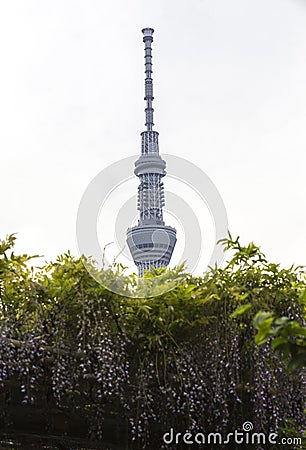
(150, 169)
(151, 242)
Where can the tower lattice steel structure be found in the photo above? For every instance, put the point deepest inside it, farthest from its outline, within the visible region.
(151, 242)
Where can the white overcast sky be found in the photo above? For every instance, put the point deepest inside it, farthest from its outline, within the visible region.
(230, 96)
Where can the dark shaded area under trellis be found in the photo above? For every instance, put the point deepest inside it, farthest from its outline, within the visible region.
(44, 425)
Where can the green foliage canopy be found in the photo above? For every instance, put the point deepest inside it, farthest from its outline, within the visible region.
(185, 359)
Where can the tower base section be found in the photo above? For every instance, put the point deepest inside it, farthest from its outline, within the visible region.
(151, 245)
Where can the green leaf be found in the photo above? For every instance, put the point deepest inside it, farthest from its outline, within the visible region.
(240, 310)
(145, 308)
(279, 341)
(260, 317)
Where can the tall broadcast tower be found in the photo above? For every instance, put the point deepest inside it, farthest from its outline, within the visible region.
(151, 242)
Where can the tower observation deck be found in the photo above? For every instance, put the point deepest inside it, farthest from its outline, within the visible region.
(151, 242)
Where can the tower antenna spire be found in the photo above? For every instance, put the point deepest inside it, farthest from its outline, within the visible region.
(151, 242)
(148, 39)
